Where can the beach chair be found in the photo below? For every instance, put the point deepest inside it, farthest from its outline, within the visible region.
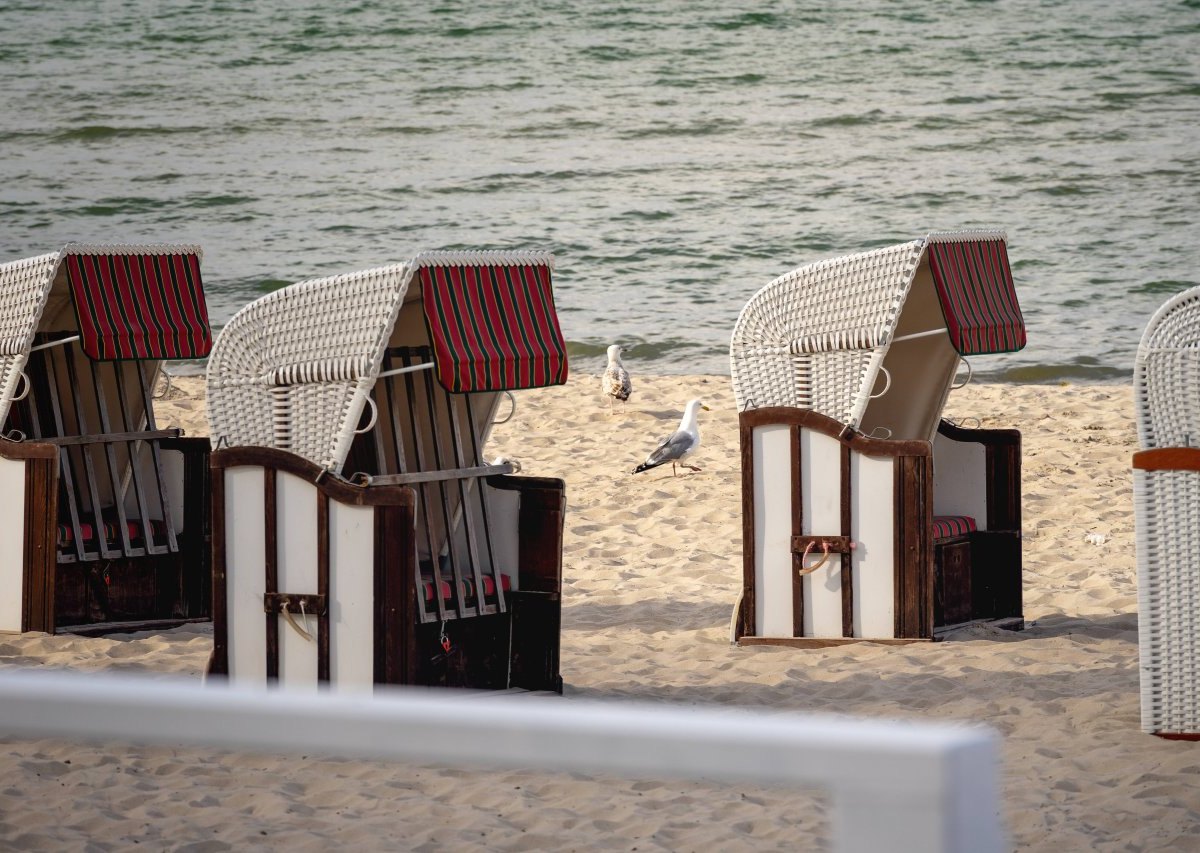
(104, 513)
(1166, 499)
(359, 535)
(865, 514)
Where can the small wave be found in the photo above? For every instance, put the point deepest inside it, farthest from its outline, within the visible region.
(120, 206)
(609, 53)
(713, 127)
(1163, 286)
(1066, 190)
(164, 177)
(482, 30)
(217, 200)
(102, 132)
(1035, 374)
(749, 19)
(849, 119)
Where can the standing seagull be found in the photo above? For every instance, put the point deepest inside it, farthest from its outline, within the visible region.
(678, 445)
(615, 381)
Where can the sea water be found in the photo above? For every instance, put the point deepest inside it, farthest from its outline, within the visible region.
(675, 156)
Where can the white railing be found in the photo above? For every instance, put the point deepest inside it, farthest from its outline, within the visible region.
(894, 786)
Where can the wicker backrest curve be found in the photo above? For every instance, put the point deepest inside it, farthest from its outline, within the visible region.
(292, 370)
(814, 338)
(1166, 375)
(24, 286)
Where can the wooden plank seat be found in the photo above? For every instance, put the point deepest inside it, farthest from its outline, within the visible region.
(351, 478)
(88, 364)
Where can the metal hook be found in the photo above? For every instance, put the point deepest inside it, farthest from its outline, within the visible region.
(512, 411)
(970, 373)
(28, 385)
(886, 375)
(374, 417)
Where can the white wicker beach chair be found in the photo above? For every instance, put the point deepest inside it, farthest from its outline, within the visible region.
(350, 491)
(866, 516)
(106, 513)
(1166, 489)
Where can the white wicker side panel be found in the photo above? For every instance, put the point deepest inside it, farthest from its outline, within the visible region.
(872, 527)
(315, 421)
(773, 510)
(12, 543)
(1166, 375)
(24, 285)
(821, 497)
(291, 370)
(297, 541)
(351, 596)
(1167, 511)
(814, 338)
(245, 556)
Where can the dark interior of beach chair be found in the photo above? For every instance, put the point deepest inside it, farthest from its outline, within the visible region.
(131, 543)
(472, 628)
(977, 562)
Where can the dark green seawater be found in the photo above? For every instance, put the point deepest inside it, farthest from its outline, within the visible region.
(676, 156)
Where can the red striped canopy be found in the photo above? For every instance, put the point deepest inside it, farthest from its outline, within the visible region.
(975, 286)
(493, 327)
(139, 306)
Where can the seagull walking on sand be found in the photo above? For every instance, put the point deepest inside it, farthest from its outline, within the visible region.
(678, 445)
(615, 381)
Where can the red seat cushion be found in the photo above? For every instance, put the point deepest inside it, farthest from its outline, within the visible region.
(112, 532)
(468, 587)
(949, 526)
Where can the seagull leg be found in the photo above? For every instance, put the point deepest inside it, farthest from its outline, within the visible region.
(673, 474)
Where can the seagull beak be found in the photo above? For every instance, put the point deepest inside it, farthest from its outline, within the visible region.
(706, 408)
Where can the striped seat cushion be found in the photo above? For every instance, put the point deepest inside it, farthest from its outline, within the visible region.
(949, 526)
(468, 587)
(112, 534)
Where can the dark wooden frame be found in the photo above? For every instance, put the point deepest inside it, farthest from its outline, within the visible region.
(996, 553)
(40, 573)
(40, 528)
(406, 648)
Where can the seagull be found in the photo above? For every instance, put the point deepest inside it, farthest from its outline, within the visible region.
(615, 382)
(678, 445)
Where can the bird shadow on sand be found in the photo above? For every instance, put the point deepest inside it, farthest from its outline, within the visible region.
(663, 415)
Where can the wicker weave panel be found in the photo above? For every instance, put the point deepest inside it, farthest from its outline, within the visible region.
(1166, 377)
(1167, 505)
(288, 370)
(1167, 513)
(24, 286)
(813, 338)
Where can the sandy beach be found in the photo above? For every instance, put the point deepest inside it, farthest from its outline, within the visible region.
(652, 567)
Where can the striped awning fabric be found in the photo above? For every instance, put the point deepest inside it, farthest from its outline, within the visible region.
(493, 327)
(139, 305)
(975, 286)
